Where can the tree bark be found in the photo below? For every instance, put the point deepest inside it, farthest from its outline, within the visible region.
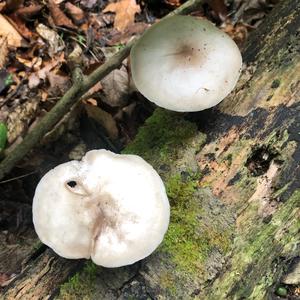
(232, 175)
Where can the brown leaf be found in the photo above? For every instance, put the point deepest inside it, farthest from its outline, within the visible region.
(3, 51)
(58, 84)
(238, 32)
(2, 6)
(28, 11)
(125, 11)
(55, 42)
(92, 91)
(123, 37)
(174, 3)
(35, 78)
(59, 18)
(75, 12)
(14, 39)
(21, 26)
(12, 5)
(219, 8)
(103, 118)
(34, 63)
(115, 87)
(88, 3)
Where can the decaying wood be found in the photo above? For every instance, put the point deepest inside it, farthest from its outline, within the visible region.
(233, 179)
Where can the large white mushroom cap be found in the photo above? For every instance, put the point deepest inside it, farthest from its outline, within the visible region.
(185, 64)
(112, 208)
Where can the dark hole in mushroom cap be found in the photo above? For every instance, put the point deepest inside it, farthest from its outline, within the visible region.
(72, 183)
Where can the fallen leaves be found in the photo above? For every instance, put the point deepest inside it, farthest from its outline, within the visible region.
(76, 13)
(35, 78)
(55, 42)
(30, 11)
(59, 18)
(103, 118)
(14, 39)
(125, 11)
(115, 87)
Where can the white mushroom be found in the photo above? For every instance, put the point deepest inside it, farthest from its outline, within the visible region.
(112, 208)
(185, 64)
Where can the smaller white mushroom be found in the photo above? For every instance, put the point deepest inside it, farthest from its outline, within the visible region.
(112, 208)
(185, 64)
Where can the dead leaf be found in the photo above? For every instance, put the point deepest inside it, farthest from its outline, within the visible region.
(20, 26)
(115, 87)
(55, 42)
(2, 6)
(125, 11)
(76, 55)
(3, 51)
(253, 11)
(174, 3)
(76, 13)
(35, 78)
(59, 18)
(30, 11)
(12, 5)
(58, 84)
(132, 30)
(19, 119)
(104, 119)
(92, 91)
(91, 101)
(238, 32)
(44, 96)
(88, 3)
(34, 63)
(14, 39)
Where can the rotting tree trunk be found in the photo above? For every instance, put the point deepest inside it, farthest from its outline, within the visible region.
(233, 179)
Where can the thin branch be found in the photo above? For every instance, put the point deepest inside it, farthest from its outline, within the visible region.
(80, 86)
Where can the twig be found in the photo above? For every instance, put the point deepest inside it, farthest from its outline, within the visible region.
(80, 86)
(18, 177)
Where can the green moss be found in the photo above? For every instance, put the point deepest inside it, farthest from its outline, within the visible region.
(159, 138)
(258, 249)
(187, 241)
(81, 285)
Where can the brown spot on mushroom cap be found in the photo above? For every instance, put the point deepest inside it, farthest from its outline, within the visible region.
(187, 55)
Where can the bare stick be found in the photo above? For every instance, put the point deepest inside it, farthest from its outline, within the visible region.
(80, 86)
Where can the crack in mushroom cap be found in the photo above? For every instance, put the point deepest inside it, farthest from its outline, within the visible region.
(185, 64)
(112, 208)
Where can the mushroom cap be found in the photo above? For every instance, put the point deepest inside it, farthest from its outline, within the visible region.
(185, 64)
(112, 208)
